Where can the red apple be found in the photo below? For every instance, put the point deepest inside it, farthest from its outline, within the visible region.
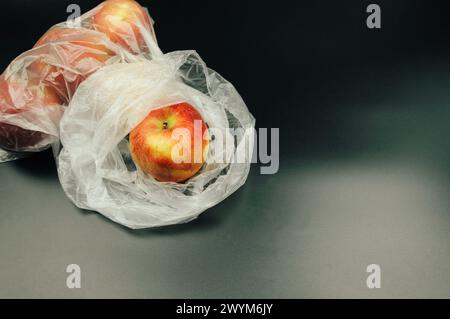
(119, 20)
(80, 53)
(50, 80)
(16, 98)
(152, 143)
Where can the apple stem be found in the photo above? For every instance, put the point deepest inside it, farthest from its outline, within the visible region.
(165, 125)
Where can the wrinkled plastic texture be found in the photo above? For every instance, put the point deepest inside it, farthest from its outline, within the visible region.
(38, 85)
(6, 156)
(95, 166)
(90, 85)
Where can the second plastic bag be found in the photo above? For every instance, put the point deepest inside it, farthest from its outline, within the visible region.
(39, 83)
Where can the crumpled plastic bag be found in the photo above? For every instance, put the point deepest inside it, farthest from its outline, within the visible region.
(37, 86)
(95, 167)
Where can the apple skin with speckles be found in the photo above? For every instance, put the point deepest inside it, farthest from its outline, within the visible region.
(153, 143)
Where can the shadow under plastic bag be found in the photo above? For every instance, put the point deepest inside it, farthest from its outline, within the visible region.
(39, 165)
(214, 218)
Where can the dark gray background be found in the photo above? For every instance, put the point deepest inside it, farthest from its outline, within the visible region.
(364, 171)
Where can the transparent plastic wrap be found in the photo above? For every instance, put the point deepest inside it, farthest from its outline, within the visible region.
(95, 166)
(37, 85)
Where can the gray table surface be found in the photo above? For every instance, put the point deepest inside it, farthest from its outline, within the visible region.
(308, 231)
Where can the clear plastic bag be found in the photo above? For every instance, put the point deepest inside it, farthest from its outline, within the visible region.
(37, 85)
(95, 167)
(89, 86)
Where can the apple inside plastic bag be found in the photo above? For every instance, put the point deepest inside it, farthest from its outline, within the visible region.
(95, 167)
(39, 83)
